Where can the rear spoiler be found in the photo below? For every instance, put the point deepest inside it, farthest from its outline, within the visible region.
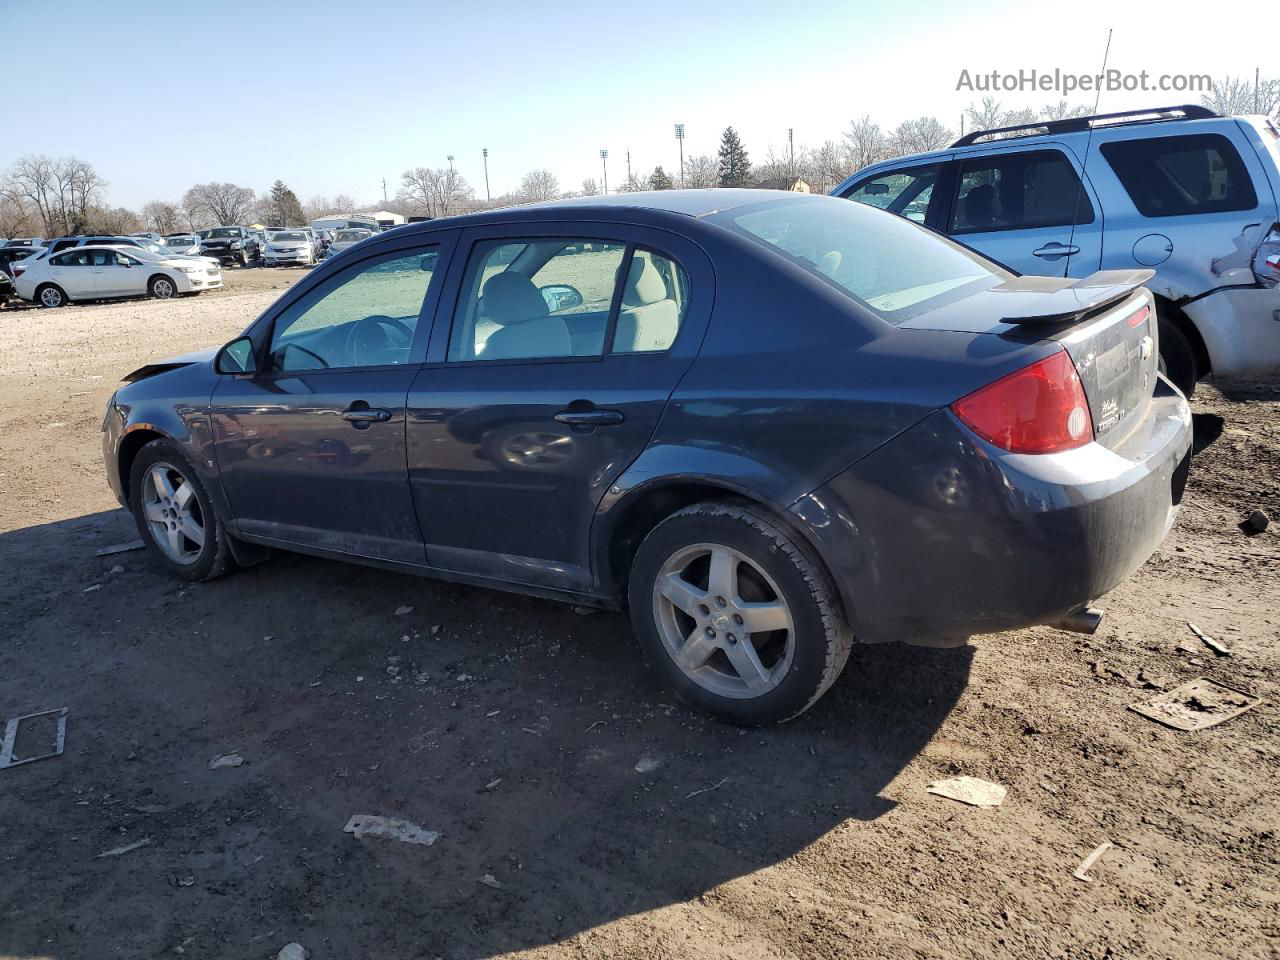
(1048, 300)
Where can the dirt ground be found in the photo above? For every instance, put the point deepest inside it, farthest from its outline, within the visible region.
(612, 821)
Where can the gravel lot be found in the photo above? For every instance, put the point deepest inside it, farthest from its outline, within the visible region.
(612, 822)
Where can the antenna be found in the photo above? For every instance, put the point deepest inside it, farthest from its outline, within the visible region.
(1084, 164)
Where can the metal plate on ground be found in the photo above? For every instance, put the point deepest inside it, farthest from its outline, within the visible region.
(37, 736)
(1196, 705)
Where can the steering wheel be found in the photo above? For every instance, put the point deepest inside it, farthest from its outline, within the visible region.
(358, 341)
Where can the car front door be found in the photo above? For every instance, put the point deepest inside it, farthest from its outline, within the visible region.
(118, 274)
(907, 191)
(564, 347)
(1016, 206)
(311, 449)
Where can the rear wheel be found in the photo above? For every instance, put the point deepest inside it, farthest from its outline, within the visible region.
(736, 615)
(162, 288)
(1178, 357)
(51, 295)
(174, 514)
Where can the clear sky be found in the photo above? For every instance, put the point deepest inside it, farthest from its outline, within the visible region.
(333, 96)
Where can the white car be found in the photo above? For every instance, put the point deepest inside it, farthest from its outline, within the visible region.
(289, 246)
(100, 273)
(183, 245)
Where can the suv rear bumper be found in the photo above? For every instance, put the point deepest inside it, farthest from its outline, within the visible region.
(1240, 327)
(938, 535)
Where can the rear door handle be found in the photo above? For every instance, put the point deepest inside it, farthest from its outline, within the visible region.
(590, 418)
(1055, 251)
(366, 415)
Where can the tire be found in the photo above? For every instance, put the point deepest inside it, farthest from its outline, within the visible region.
(242, 260)
(1178, 357)
(51, 295)
(788, 665)
(162, 287)
(184, 556)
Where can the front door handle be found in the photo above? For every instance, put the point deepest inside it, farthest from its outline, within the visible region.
(590, 418)
(366, 415)
(1056, 251)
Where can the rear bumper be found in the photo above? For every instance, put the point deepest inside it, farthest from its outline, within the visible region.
(940, 535)
(1240, 327)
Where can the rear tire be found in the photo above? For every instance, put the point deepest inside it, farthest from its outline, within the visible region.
(175, 516)
(702, 579)
(51, 295)
(1178, 357)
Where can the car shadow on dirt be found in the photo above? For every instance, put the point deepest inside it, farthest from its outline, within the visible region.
(533, 739)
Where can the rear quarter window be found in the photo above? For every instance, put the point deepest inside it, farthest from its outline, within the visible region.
(1182, 176)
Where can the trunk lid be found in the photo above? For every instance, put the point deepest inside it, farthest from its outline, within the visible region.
(1106, 322)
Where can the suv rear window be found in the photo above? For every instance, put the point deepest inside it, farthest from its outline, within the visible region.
(1182, 176)
(892, 267)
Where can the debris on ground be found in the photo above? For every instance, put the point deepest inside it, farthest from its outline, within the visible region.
(120, 548)
(715, 786)
(1196, 705)
(292, 951)
(970, 790)
(1151, 682)
(1208, 641)
(43, 735)
(367, 825)
(585, 611)
(127, 848)
(96, 586)
(489, 880)
(1258, 521)
(401, 611)
(226, 760)
(539, 727)
(647, 764)
(493, 784)
(1089, 861)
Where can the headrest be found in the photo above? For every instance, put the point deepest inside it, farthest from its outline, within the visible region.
(511, 297)
(644, 284)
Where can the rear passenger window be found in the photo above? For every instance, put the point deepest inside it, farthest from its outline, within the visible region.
(655, 296)
(1182, 176)
(1018, 191)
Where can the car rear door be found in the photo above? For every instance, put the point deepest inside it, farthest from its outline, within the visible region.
(1015, 204)
(72, 270)
(565, 343)
(311, 450)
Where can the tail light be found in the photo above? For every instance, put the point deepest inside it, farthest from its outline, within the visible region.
(18, 269)
(1038, 409)
(1266, 263)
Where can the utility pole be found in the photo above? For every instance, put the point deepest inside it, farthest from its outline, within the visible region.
(604, 169)
(628, 165)
(791, 144)
(1257, 79)
(680, 140)
(384, 190)
(485, 152)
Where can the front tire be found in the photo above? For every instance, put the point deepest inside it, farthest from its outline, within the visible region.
(175, 516)
(162, 288)
(736, 614)
(51, 295)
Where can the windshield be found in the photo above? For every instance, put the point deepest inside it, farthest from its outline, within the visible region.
(221, 233)
(891, 266)
(289, 235)
(350, 236)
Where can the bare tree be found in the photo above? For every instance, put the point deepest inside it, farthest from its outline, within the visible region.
(162, 216)
(920, 136)
(633, 184)
(1231, 96)
(435, 191)
(17, 218)
(221, 203)
(827, 166)
(701, 172)
(59, 191)
(539, 185)
(1063, 110)
(864, 143)
(343, 204)
(590, 188)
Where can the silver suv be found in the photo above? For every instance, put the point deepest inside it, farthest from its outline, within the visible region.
(1181, 190)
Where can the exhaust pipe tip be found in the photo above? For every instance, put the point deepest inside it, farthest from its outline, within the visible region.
(1085, 620)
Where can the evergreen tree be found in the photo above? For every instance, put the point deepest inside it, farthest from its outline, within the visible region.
(286, 209)
(658, 180)
(735, 165)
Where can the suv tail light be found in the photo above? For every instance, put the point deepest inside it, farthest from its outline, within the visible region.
(1266, 264)
(1038, 409)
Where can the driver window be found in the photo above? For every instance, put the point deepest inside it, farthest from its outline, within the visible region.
(364, 317)
(537, 298)
(904, 192)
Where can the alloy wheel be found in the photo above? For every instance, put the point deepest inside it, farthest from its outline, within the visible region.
(51, 297)
(723, 621)
(162, 288)
(173, 513)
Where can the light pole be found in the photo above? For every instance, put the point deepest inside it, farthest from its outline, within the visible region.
(680, 140)
(485, 152)
(628, 169)
(791, 143)
(604, 169)
(450, 159)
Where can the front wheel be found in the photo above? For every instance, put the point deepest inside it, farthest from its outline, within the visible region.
(736, 614)
(163, 288)
(175, 516)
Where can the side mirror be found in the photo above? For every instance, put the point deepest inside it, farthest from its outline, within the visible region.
(236, 358)
(560, 296)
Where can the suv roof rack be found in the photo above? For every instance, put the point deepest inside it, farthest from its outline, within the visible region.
(1189, 111)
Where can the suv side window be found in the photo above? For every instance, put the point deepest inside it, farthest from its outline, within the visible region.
(365, 316)
(904, 192)
(1182, 176)
(537, 298)
(1018, 191)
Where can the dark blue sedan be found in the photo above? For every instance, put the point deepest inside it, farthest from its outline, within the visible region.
(768, 424)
